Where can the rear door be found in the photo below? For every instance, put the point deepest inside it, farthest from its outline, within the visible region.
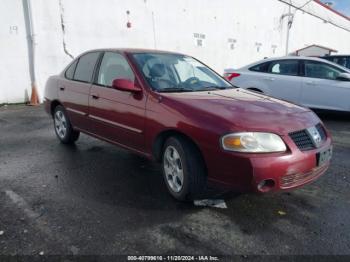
(74, 89)
(321, 89)
(116, 115)
(283, 80)
(279, 78)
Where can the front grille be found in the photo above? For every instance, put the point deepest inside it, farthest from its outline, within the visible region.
(302, 140)
(301, 178)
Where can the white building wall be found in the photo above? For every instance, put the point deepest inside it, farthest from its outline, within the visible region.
(14, 65)
(254, 27)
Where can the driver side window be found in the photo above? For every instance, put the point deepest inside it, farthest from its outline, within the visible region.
(113, 66)
(316, 69)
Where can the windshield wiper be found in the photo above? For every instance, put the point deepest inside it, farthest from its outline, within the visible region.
(175, 89)
(211, 88)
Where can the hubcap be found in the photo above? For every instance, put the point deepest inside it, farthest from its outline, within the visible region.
(60, 124)
(173, 169)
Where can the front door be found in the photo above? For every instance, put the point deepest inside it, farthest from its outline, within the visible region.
(117, 115)
(321, 88)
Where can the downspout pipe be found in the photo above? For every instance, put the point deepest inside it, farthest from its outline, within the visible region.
(28, 17)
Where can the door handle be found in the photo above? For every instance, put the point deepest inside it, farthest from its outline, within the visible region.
(269, 78)
(95, 96)
(62, 88)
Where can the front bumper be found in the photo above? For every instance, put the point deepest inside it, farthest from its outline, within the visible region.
(288, 172)
(282, 171)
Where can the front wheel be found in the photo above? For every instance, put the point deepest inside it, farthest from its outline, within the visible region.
(183, 169)
(63, 128)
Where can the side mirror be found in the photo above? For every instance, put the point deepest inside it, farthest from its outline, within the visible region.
(125, 85)
(343, 77)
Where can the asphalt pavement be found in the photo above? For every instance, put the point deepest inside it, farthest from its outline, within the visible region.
(97, 199)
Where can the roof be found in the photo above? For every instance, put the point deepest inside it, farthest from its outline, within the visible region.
(134, 50)
(332, 10)
(128, 50)
(291, 58)
(323, 47)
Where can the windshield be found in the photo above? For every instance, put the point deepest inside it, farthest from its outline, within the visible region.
(178, 73)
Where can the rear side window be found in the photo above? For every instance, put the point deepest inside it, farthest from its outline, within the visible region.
(260, 68)
(284, 67)
(85, 67)
(70, 71)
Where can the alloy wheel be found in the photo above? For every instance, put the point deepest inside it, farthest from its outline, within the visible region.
(173, 169)
(60, 124)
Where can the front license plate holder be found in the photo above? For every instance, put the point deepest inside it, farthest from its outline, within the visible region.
(324, 156)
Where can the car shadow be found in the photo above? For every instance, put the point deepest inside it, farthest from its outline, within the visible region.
(332, 115)
(114, 176)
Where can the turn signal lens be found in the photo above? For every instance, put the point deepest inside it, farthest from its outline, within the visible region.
(253, 142)
(232, 142)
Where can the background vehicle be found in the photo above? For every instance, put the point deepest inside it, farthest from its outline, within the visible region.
(311, 82)
(174, 109)
(343, 60)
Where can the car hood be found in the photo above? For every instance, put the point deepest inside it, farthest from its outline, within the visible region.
(246, 111)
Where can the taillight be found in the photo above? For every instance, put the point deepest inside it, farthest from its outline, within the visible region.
(230, 76)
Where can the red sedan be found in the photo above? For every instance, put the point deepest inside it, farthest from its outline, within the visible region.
(172, 108)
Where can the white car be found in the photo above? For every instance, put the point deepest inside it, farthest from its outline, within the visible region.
(311, 82)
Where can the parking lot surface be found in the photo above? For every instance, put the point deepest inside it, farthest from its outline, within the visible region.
(94, 198)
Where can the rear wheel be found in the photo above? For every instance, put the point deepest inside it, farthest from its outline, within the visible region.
(183, 169)
(63, 128)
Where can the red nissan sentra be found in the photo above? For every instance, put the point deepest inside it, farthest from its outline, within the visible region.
(172, 108)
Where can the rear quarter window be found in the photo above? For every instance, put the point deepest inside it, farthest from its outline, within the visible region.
(70, 70)
(260, 67)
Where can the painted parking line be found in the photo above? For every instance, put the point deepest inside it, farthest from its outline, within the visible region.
(40, 222)
(22, 204)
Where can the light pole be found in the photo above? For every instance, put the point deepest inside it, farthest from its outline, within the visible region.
(289, 26)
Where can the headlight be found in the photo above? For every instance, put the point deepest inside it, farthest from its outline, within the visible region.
(253, 142)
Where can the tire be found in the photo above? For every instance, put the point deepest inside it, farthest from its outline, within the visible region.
(184, 171)
(63, 128)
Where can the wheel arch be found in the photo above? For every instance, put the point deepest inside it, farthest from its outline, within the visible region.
(164, 135)
(254, 89)
(255, 85)
(53, 105)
